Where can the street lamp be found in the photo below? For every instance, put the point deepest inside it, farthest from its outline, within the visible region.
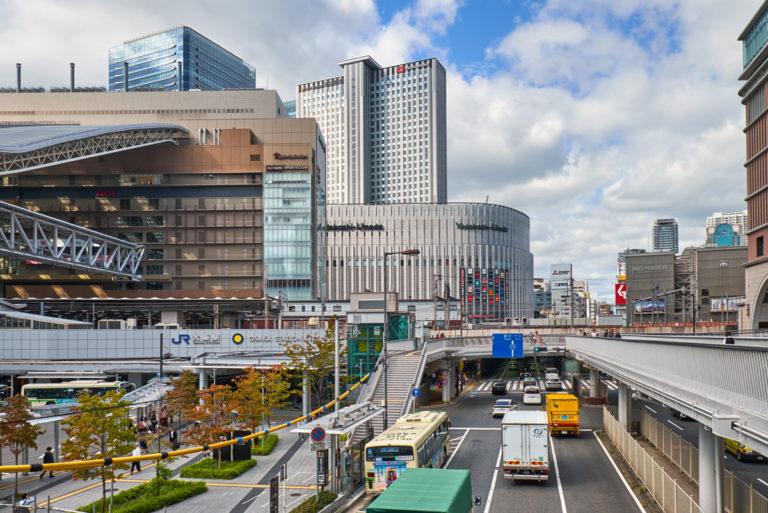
(387, 254)
(723, 298)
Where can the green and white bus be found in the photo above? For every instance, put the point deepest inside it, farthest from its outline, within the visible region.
(47, 394)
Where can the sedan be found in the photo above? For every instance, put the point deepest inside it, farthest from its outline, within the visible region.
(531, 395)
(552, 385)
(502, 406)
(530, 382)
(499, 388)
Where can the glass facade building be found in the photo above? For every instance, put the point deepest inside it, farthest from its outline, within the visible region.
(177, 59)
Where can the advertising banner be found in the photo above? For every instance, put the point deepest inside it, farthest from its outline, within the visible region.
(726, 304)
(620, 295)
(650, 306)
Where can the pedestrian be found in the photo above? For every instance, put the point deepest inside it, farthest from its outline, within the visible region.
(173, 437)
(729, 340)
(143, 444)
(136, 464)
(605, 333)
(617, 334)
(48, 458)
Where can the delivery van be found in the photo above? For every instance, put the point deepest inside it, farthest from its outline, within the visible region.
(525, 445)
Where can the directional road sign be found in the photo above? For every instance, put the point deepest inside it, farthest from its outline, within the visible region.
(507, 345)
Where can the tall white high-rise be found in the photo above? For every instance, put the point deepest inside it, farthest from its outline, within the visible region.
(385, 131)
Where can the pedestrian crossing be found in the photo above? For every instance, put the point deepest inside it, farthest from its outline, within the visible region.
(514, 385)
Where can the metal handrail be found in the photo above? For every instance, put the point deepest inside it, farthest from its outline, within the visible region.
(417, 379)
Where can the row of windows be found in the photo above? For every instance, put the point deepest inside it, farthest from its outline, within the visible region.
(125, 111)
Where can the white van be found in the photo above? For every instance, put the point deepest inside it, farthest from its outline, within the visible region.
(525, 445)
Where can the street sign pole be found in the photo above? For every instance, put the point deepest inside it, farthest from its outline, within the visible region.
(284, 479)
(274, 494)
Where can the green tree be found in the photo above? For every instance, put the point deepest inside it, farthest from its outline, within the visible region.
(315, 359)
(16, 433)
(212, 418)
(101, 429)
(278, 392)
(248, 398)
(184, 397)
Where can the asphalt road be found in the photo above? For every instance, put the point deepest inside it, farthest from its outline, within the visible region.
(589, 483)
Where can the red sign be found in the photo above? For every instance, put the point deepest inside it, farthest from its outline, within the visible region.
(400, 68)
(621, 294)
(106, 194)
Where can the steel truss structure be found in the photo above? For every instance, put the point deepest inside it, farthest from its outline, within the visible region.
(34, 236)
(88, 143)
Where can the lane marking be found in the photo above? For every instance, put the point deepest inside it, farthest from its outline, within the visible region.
(456, 450)
(678, 427)
(557, 475)
(649, 408)
(766, 484)
(477, 428)
(493, 483)
(584, 384)
(509, 385)
(621, 476)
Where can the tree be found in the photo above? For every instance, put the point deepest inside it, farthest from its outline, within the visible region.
(212, 418)
(314, 358)
(101, 429)
(16, 433)
(184, 396)
(259, 393)
(278, 392)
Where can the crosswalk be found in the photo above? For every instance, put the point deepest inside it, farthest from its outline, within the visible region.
(513, 385)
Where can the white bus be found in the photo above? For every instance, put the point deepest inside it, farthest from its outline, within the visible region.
(46, 394)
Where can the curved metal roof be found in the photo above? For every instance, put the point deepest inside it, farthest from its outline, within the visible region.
(22, 139)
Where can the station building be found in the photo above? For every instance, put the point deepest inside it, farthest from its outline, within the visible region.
(235, 176)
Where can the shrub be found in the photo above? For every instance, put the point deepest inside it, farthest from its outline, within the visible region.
(149, 497)
(311, 506)
(210, 469)
(259, 449)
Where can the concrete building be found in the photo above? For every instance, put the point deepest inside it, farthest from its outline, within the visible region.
(385, 130)
(621, 261)
(475, 251)
(664, 236)
(702, 283)
(561, 287)
(177, 59)
(753, 97)
(543, 298)
(230, 209)
(717, 236)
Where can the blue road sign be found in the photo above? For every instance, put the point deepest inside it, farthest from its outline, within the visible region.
(317, 434)
(507, 345)
(415, 392)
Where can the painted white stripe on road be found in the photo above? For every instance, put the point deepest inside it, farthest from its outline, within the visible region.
(566, 385)
(611, 384)
(766, 484)
(649, 408)
(678, 427)
(621, 476)
(493, 483)
(557, 475)
(456, 450)
(509, 385)
(584, 384)
(476, 428)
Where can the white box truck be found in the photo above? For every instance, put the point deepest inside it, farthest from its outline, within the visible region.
(525, 445)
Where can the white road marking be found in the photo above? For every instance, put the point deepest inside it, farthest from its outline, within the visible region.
(586, 430)
(456, 450)
(649, 408)
(509, 385)
(493, 483)
(584, 383)
(566, 384)
(766, 484)
(476, 428)
(621, 476)
(611, 384)
(678, 427)
(557, 476)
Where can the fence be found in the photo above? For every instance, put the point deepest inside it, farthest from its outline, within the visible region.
(738, 496)
(664, 489)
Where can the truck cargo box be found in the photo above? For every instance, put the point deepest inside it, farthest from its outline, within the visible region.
(426, 490)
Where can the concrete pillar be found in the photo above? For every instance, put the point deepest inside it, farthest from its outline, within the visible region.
(594, 383)
(202, 381)
(56, 427)
(710, 471)
(450, 382)
(625, 406)
(305, 394)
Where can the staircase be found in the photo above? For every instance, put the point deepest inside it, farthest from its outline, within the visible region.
(402, 371)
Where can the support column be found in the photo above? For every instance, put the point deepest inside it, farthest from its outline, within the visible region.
(710, 471)
(625, 406)
(305, 394)
(202, 381)
(594, 383)
(56, 427)
(450, 381)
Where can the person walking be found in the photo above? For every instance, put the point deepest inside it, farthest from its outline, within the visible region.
(136, 465)
(173, 437)
(48, 458)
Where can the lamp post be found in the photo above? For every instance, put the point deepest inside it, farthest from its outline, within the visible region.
(723, 297)
(387, 254)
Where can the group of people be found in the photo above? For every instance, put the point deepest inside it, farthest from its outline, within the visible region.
(149, 425)
(607, 333)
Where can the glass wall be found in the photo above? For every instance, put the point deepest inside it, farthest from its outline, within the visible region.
(288, 233)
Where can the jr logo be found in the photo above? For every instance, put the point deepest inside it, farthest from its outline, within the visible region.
(183, 338)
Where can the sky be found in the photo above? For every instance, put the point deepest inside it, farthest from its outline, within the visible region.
(594, 117)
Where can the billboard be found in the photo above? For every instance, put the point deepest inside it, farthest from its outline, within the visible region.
(650, 306)
(620, 294)
(726, 304)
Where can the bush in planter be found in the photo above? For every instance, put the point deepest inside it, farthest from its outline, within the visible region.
(270, 442)
(151, 496)
(209, 468)
(311, 505)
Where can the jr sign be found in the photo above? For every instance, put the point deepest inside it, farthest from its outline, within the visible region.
(507, 345)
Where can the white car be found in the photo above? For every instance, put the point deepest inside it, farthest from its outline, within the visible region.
(552, 376)
(553, 385)
(531, 395)
(502, 406)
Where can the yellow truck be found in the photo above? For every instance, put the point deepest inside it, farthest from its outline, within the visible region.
(563, 414)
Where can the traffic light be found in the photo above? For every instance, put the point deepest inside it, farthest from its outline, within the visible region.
(540, 349)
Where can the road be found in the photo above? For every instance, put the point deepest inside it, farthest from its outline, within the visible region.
(588, 481)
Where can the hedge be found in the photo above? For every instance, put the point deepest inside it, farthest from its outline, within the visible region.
(209, 469)
(310, 505)
(149, 497)
(270, 442)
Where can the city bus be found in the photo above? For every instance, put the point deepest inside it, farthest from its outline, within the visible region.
(415, 440)
(46, 394)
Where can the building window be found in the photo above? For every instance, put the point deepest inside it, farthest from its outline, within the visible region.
(125, 204)
(760, 246)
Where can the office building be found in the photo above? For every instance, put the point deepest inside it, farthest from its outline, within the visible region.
(228, 205)
(543, 298)
(727, 229)
(385, 131)
(753, 92)
(561, 287)
(621, 261)
(177, 59)
(477, 252)
(290, 108)
(664, 236)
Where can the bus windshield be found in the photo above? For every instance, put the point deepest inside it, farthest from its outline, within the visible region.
(392, 453)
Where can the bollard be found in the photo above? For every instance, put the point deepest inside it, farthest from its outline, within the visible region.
(48, 505)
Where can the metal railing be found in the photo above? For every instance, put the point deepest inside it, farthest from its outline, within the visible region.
(669, 495)
(416, 380)
(738, 496)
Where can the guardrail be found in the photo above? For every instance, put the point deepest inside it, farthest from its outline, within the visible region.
(662, 487)
(738, 496)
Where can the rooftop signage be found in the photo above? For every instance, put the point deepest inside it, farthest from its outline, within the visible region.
(291, 156)
(483, 227)
(284, 167)
(358, 227)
